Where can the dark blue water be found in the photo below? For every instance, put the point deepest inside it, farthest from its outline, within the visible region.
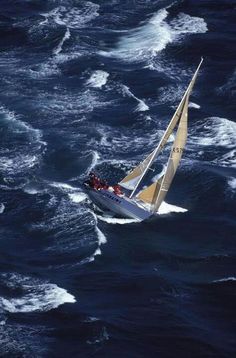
(93, 85)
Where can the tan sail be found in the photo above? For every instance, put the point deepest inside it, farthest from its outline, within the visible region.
(149, 195)
(175, 156)
(134, 178)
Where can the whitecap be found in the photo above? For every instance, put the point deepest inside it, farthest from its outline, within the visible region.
(78, 197)
(74, 17)
(145, 41)
(35, 295)
(30, 190)
(113, 220)
(63, 186)
(101, 236)
(226, 279)
(232, 183)
(216, 131)
(98, 79)
(141, 107)
(95, 159)
(194, 105)
(2, 208)
(58, 48)
(18, 126)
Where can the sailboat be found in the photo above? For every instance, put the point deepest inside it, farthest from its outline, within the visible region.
(139, 203)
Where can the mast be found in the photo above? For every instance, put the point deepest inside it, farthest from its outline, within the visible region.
(168, 131)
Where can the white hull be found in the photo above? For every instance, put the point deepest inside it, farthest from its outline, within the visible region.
(122, 206)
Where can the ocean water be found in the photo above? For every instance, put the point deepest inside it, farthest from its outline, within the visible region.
(92, 85)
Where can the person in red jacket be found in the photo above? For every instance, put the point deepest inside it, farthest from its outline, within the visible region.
(117, 189)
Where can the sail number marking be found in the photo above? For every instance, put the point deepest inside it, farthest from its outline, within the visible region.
(177, 150)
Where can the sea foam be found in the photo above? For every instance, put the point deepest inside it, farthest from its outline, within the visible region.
(35, 295)
(98, 79)
(144, 42)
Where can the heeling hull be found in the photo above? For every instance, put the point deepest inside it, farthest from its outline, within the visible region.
(118, 205)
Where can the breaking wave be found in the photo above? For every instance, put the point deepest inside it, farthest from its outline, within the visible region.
(226, 279)
(112, 220)
(58, 49)
(141, 107)
(2, 208)
(74, 18)
(98, 79)
(23, 145)
(144, 42)
(35, 295)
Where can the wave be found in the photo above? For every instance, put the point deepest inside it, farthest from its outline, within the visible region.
(78, 197)
(22, 145)
(74, 17)
(232, 183)
(35, 295)
(226, 279)
(98, 79)
(66, 36)
(2, 208)
(194, 105)
(145, 42)
(13, 123)
(103, 336)
(63, 186)
(112, 220)
(142, 107)
(217, 131)
(229, 87)
(95, 159)
(42, 70)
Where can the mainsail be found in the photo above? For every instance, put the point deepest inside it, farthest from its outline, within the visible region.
(135, 177)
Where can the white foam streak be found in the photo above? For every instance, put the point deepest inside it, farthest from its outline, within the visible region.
(226, 279)
(58, 49)
(112, 220)
(194, 105)
(145, 41)
(35, 295)
(232, 183)
(98, 79)
(216, 131)
(78, 197)
(101, 237)
(63, 186)
(95, 159)
(2, 208)
(142, 107)
(72, 17)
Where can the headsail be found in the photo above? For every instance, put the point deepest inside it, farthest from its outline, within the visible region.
(134, 178)
(156, 192)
